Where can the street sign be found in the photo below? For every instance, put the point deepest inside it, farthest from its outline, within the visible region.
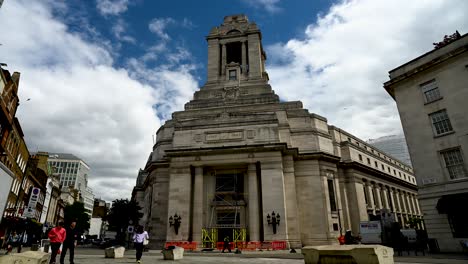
(31, 208)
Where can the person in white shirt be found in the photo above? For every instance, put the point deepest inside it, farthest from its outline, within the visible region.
(139, 238)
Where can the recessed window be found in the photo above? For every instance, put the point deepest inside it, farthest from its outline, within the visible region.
(232, 75)
(430, 91)
(331, 195)
(383, 167)
(454, 163)
(376, 164)
(360, 157)
(441, 122)
(389, 171)
(368, 161)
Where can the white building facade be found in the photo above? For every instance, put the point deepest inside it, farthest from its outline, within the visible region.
(74, 172)
(431, 93)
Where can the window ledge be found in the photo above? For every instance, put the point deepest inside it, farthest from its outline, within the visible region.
(438, 99)
(458, 179)
(445, 134)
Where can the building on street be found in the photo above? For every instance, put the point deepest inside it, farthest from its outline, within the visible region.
(431, 94)
(239, 162)
(393, 145)
(74, 173)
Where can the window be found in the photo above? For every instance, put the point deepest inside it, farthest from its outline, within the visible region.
(431, 91)
(440, 122)
(389, 171)
(454, 163)
(360, 157)
(368, 161)
(331, 195)
(394, 172)
(232, 75)
(383, 167)
(376, 164)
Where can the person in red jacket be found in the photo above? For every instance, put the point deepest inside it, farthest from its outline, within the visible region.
(56, 235)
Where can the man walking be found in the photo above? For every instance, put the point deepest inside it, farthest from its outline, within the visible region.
(70, 242)
(56, 235)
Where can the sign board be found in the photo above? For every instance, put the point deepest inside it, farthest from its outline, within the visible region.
(371, 232)
(31, 208)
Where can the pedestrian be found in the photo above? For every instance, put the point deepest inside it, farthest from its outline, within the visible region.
(70, 242)
(226, 244)
(13, 241)
(56, 235)
(139, 238)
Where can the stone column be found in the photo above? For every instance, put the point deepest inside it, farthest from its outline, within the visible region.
(392, 200)
(398, 201)
(273, 197)
(198, 205)
(417, 205)
(385, 198)
(255, 56)
(292, 216)
(244, 58)
(355, 191)
(179, 201)
(378, 198)
(223, 59)
(370, 196)
(254, 222)
(404, 209)
(410, 204)
(213, 60)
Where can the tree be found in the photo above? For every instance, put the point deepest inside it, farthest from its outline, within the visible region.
(122, 214)
(76, 211)
(413, 222)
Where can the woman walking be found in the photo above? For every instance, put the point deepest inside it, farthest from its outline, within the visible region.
(139, 238)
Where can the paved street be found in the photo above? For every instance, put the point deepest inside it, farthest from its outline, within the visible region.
(95, 256)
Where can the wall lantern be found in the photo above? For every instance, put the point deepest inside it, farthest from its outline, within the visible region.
(175, 221)
(273, 220)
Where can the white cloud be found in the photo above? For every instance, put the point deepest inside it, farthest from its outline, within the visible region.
(82, 104)
(158, 27)
(338, 69)
(119, 30)
(112, 7)
(270, 6)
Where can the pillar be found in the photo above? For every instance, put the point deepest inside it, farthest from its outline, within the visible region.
(398, 201)
(255, 56)
(385, 198)
(370, 196)
(273, 198)
(378, 198)
(198, 205)
(417, 205)
(292, 216)
(254, 223)
(179, 201)
(392, 201)
(223, 59)
(244, 58)
(213, 60)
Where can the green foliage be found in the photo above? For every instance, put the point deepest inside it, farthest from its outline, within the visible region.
(122, 213)
(77, 211)
(413, 222)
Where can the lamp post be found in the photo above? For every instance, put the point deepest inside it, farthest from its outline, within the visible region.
(273, 220)
(175, 221)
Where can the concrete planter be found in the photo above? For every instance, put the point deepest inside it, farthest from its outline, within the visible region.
(173, 253)
(348, 254)
(114, 252)
(30, 257)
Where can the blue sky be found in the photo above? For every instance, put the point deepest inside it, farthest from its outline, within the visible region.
(103, 75)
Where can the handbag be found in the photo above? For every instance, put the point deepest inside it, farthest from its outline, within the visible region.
(145, 241)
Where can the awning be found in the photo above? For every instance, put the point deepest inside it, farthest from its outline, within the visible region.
(453, 203)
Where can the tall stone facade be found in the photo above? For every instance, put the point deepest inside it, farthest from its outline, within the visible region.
(431, 93)
(236, 154)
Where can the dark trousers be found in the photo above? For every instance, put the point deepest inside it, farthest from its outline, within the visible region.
(55, 247)
(139, 250)
(66, 246)
(226, 246)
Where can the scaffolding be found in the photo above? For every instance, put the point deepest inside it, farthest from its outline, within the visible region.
(226, 204)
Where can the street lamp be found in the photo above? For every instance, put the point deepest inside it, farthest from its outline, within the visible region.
(273, 220)
(175, 221)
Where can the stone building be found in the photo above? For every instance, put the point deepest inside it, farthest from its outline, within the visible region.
(237, 158)
(431, 93)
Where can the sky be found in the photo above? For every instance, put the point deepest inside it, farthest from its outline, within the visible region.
(103, 75)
